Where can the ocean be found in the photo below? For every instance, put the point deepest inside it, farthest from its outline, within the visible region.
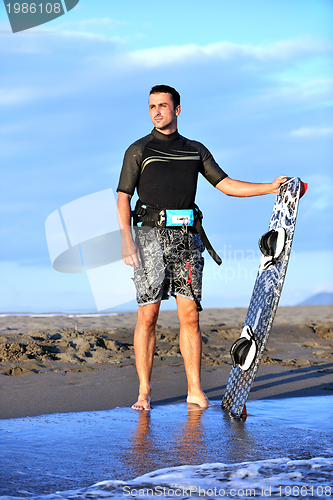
(283, 449)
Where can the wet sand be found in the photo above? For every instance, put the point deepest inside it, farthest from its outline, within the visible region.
(70, 364)
(61, 452)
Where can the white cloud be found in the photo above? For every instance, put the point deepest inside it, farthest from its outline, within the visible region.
(309, 132)
(293, 93)
(227, 51)
(42, 40)
(98, 57)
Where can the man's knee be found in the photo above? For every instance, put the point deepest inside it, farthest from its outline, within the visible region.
(188, 314)
(148, 315)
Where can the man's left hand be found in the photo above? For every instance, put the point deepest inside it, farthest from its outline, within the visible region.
(277, 183)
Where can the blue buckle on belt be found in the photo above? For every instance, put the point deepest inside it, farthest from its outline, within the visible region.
(179, 217)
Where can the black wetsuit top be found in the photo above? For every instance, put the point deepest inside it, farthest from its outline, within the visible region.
(165, 168)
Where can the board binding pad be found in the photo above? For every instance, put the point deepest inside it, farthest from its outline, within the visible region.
(266, 294)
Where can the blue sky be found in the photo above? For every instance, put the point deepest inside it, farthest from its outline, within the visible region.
(256, 85)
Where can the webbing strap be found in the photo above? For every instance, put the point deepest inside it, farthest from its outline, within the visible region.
(206, 242)
(188, 272)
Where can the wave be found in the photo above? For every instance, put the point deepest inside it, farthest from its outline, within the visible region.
(277, 478)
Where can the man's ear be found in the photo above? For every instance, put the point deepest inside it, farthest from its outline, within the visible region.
(178, 110)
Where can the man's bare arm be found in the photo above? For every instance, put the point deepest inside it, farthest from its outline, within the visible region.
(129, 251)
(232, 187)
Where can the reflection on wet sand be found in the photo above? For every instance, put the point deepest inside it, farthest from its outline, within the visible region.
(187, 439)
(191, 435)
(184, 439)
(141, 443)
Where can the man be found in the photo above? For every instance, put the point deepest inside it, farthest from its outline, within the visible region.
(164, 167)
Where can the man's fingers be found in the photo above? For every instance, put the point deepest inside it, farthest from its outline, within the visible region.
(277, 183)
(135, 259)
(132, 260)
(131, 255)
(281, 179)
(129, 261)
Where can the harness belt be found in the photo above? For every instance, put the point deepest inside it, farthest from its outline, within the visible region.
(145, 215)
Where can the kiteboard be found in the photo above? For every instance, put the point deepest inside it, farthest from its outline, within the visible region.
(247, 351)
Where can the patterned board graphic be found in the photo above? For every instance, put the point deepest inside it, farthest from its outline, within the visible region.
(265, 297)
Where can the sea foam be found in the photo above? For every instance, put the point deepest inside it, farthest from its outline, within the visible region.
(266, 478)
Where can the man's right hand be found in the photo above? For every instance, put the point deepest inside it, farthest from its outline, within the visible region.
(130, 254)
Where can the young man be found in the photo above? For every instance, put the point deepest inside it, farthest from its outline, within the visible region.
(164, 166)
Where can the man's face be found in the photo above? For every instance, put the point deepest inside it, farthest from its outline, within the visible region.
(162, 112)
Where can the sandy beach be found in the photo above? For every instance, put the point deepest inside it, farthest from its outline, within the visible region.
(67, 384)
(61, 364)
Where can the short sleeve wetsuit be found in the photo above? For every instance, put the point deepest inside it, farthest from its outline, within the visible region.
(164, 169)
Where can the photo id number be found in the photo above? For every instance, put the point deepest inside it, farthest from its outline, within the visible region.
(303, 491)
(33, 8)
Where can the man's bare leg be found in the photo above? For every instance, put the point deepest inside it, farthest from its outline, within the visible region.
(144, 349)
(190, 347)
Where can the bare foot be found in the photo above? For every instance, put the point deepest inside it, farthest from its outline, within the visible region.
(143, 403)
(199, 399)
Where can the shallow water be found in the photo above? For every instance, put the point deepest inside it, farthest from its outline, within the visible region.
(282, 443)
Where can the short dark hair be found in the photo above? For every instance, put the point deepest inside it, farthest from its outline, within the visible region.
(158, 89)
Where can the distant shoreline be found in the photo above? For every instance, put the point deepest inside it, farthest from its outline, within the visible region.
(55, 314)
(236, 315)
(87, 314)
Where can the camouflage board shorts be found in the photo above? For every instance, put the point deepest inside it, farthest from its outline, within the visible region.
(162, 272)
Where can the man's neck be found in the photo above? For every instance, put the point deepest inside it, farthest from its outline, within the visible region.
(166, 137)
(167, 131)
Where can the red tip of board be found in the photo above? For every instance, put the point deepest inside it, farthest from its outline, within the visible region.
(243, 415)
(304, 187)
